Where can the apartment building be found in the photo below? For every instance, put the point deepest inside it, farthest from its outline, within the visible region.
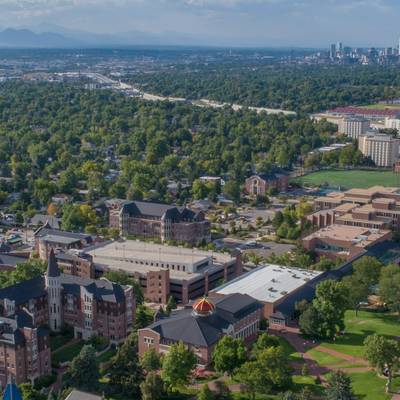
(158, 221)
(24, 349)
(354, 127)
(381, 148)
(89, 306)
(202, 325)
(165, 271)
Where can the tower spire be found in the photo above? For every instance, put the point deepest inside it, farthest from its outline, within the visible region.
(52, 266)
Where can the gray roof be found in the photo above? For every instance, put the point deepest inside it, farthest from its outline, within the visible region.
(204, 331)
(42, 219)
(78, 395)
(101, 289)
(56, 234)
(9, 259)
(24, 291)
(159, 210)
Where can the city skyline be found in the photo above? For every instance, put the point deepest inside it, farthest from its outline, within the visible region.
(300, 23)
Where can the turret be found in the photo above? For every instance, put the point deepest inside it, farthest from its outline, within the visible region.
(54, 292)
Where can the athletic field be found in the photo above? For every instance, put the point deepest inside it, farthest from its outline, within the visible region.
(349, 179)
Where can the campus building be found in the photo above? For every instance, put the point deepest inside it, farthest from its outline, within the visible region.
(164, 271)
(373, 208)
(260, 184)
(354, 127)
(47, 238)
(202, 325)
(24, 349)
(381, 148)
(269, 284)
(158, 221)
(343, 241)
(89, 306)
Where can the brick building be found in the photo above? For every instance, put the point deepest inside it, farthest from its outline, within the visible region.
(165, 271)
(89, 306)
(158, 221)
(47, 238)
(201, 327)
(374, 208)
(260, 184)
(344, 241)
(24, 349)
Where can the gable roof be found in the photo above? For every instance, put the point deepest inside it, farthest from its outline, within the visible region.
(24, 291)
(204, 331)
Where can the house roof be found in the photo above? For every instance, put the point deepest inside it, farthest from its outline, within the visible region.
(78, 395)
(24, 291)
(205, 330)
(159, 210)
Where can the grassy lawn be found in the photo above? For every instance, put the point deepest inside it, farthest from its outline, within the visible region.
(349, 179)
(323, 358)
(58, 341)
(67, 353)
(290, 351)
(358, 328)
(368, 386)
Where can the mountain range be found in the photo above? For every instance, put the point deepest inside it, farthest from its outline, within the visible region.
(52, 36)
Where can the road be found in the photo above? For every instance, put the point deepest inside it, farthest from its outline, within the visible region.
(125, 87)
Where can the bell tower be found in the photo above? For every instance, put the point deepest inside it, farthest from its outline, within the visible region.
(54, 293)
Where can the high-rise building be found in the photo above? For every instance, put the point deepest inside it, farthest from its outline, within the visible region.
(332, 51)
(381, 148)
(339, 47)
(354, 127)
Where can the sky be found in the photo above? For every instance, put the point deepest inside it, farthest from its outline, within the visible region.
(266, 23)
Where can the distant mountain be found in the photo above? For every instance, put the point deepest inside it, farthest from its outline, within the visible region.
(27, 38)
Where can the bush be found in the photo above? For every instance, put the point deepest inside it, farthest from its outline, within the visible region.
(45, 381)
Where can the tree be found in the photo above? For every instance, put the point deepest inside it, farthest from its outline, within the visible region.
(389, 287)
(72, 218)
(252, 379)
(264, 341)
(206, 393)
(229, 354)
(339, 387)
(152, 388)
(171, 305)
(232, 191)
(28, 392)
(325, 316)
(83, 372)
(383, 354)
(367, 270)
(177, 366)
(125, 370)
(151, 360)
(144, 316)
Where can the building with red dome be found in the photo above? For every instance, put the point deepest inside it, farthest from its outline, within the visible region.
(201, 325)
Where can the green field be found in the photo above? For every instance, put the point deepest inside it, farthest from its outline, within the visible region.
(67, 353)
(379, 106)
(358, 328)
(349, 179)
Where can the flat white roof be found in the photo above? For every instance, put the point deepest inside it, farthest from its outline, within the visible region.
(123, 255)
(269, 283)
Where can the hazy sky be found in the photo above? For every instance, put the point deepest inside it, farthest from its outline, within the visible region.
(234, 22)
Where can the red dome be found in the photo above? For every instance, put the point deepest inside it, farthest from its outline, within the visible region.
(203, 307)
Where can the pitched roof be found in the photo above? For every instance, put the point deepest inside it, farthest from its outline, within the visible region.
(12, 392)
(78, 395)
(203, 331)
(159, 210)
(24, 291)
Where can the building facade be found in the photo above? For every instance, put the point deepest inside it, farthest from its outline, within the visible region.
(201, 326)
(24, 349)
(259, 185)
(159, 222)
(163, 271)
(381, 148)
(89, 306)
(354, 127)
